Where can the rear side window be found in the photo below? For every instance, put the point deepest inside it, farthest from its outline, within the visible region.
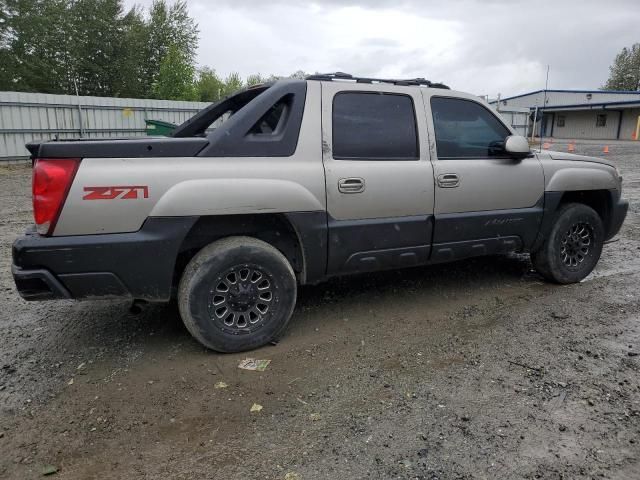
(466, 129)
(374, 126)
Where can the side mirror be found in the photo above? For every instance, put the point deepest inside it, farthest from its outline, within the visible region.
(516, 146)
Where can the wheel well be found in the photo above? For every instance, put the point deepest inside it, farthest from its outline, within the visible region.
(599, 200)
(274, 229)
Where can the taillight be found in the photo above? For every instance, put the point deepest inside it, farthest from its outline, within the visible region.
(52, 179)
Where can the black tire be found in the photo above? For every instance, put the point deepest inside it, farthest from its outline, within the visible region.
(255, 314)
(573, 247)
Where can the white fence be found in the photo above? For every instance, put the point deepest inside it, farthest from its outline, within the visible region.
(25, 117)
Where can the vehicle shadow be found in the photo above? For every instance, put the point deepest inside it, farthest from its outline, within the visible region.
(109, 326)
(447, 278)
(59, 336)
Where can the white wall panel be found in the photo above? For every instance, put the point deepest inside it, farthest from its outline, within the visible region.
(25, 117)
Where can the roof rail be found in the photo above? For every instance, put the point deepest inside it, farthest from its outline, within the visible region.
(347, 76)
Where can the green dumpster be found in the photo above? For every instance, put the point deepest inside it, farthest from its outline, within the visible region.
(159, 127)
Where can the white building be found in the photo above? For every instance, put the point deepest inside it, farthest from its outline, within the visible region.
(579, 114)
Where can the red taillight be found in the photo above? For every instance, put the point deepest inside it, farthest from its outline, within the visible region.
(52, 178)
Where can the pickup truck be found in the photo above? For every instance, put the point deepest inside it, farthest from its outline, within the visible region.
(292, 182)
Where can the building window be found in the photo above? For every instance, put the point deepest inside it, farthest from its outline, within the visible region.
(601, 120)
(561, 120)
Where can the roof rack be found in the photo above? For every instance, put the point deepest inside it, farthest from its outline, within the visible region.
(347, 76)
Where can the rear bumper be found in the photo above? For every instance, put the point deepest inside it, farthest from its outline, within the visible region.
(138, 265)
(618, 214)
(38, 284)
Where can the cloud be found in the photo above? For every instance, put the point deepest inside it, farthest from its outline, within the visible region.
(484, 47)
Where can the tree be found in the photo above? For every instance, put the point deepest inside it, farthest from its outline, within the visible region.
(95, 48)
(4, 26)
(299, 74)
(34, 46)
(168, 26)
(131, 79)
(175, 80)
(232, 84)
(625, 70)
(54, 46)
(209, 87)
(255, 79)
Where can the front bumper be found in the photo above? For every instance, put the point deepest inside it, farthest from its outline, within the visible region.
(618, 214)
(138, 265)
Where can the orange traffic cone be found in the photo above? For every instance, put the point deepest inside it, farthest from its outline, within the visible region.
(571, 147)
(606, 149)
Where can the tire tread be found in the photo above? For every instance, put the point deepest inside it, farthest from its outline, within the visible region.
(214, 249)
(543, 260)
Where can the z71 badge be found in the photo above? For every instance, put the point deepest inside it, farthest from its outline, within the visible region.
(119, 192)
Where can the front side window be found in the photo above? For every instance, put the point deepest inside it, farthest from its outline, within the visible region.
(374, 126)
(561, 120)
(466, 129)
(601, 120)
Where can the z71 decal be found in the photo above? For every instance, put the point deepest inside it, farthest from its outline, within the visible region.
(120, 192)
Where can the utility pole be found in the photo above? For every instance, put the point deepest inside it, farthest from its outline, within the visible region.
(533, 128)
(544, 104)
(75, 84)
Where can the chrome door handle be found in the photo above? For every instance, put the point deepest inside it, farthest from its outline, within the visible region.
(351, 185)
(448, 180)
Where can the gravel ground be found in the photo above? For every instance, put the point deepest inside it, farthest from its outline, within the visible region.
(471, 370)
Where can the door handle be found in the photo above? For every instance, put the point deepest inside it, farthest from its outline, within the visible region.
(351, 185)
(448, 180)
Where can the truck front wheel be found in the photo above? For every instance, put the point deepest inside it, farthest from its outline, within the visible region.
(237, 294)
(573, 247)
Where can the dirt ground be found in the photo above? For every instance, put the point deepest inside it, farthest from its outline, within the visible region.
(473, 370)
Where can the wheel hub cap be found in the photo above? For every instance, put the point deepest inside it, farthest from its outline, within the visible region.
(576, 244)
(241, 297)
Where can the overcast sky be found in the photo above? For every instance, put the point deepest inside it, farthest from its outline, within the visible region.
(484, 47)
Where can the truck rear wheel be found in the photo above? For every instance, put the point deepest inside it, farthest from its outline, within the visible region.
(573, 247)
(237, 294)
